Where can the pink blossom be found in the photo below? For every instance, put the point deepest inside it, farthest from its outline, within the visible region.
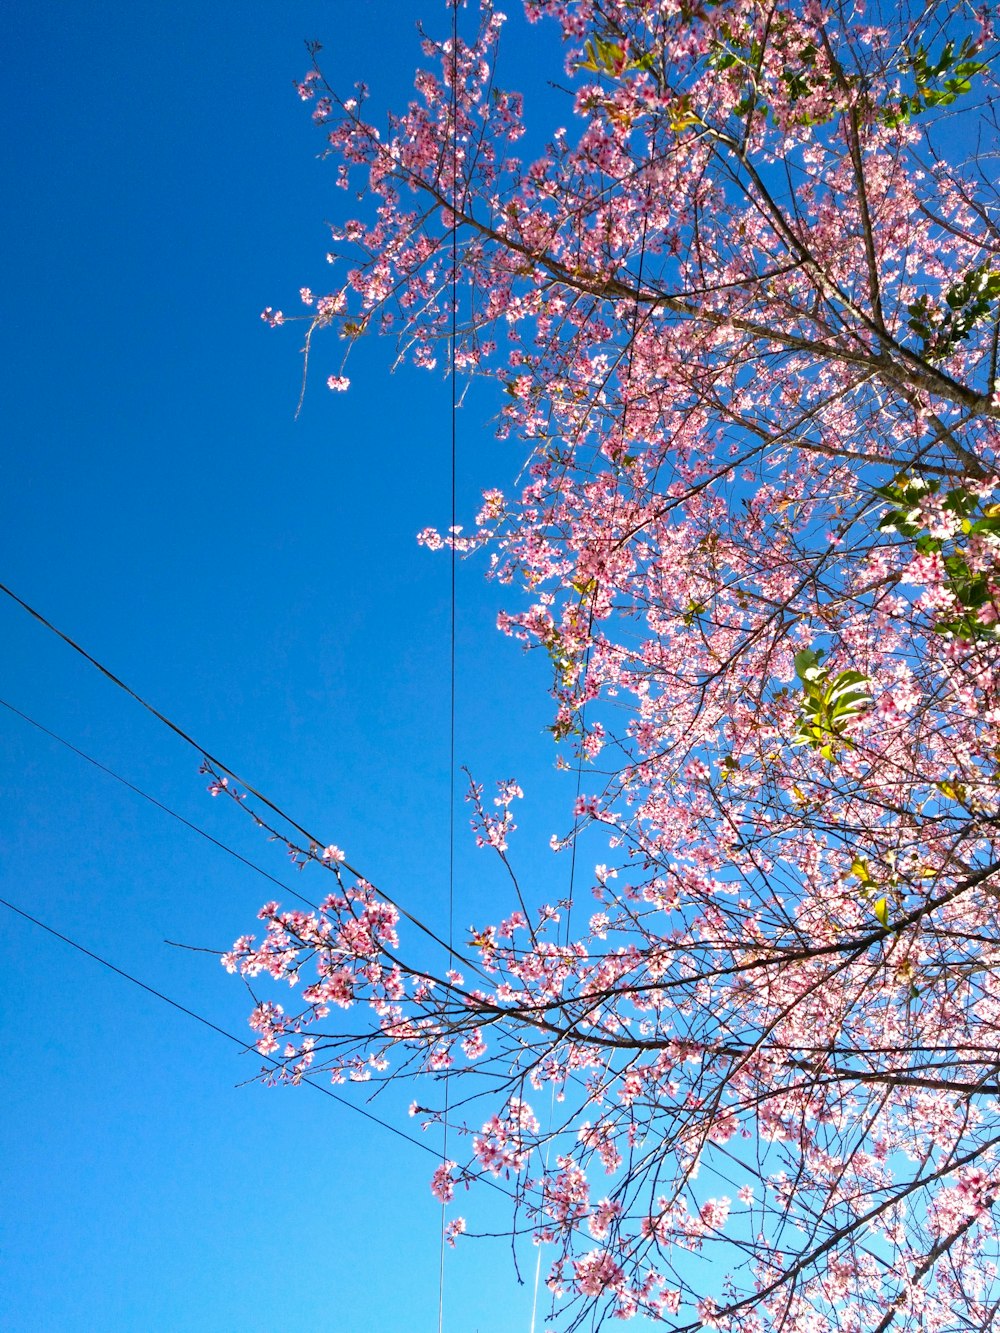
(443, 1183)
(736, 315)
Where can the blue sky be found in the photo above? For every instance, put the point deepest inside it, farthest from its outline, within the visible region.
(257, 578)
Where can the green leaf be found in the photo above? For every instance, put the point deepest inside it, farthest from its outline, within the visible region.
(882, 912)
(805, 661)
(692, 611)
(829, 705)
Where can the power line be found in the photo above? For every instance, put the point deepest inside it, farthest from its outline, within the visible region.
(166, 999)
(174, 814)
(453, 567)
(207, 1022)
(212, 759)
(230, 1036)
(104, 768)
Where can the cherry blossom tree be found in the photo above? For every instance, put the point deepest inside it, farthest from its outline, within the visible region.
(742, 318)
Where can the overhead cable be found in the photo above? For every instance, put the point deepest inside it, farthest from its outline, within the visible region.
(211, 759)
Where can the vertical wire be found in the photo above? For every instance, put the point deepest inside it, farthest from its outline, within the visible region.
(452, 599)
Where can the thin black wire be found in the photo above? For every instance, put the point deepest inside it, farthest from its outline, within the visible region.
(212, 759)
(207, 1022)
(196, 828)
(454, 473)
(368, 1115)
(453, 597)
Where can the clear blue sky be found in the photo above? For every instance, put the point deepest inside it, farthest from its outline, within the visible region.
(257, 578)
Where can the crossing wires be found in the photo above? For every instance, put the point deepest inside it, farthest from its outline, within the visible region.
(160, 995)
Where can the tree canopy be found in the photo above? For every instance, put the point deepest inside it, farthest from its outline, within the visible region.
(742, 316)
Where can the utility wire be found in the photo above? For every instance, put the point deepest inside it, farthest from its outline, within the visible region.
(453, 599)
(210, 758)
(352, 1106)
(223, 1032)
(207, 1022)
(196, 828)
